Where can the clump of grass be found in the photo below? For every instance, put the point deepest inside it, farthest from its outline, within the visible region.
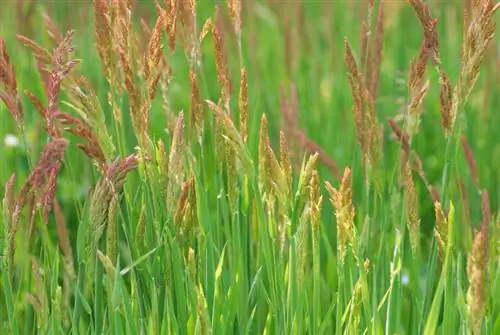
(170, 219)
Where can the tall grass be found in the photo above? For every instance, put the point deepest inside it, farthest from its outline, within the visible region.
(250, 167)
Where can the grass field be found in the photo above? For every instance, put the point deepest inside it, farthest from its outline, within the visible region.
(250, 166)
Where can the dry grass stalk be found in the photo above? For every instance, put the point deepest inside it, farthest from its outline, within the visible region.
(243, 105)
(471, 162)
(477, 271)
(341, 200)
(9, 94)
(411, 204)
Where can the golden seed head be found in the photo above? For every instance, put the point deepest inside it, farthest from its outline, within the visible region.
(411, 201)
(243, 105)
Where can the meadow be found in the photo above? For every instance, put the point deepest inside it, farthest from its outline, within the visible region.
(249, 167)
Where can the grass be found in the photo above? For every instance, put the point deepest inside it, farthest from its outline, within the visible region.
(264, 171)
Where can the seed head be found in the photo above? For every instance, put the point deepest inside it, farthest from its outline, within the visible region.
(477, 271)
(243, 105)
(341, 200)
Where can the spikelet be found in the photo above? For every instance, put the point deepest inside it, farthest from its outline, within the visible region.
(8, 199)
(411, 203)
(305, 177)
(42, 180)
(357, 90)
(428, 24)
(111, 233)
(373, 77)
(191, 261)
(243, 105)
(140, 229)
(315, 201)
(92, 147)
(41, 294)
(108, 267)
(446, 99)
(196, 116)
(486, 213)
(275, 179)
(477, 271)
(131, 88)
(175, 163)
(207, 26)
(8, 93)
(221, 62)
(184, 214)
(104, 39)
(171, 23)
(202, 314)
(367, 127)
(477, 39)
(231, 135)
(441, 230)
(235, 7)
(108, 186)
(86, 102)
(341, 200)
(162, 161)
